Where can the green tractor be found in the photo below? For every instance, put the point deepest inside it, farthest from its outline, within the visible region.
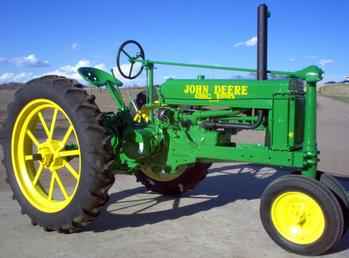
(61, 152)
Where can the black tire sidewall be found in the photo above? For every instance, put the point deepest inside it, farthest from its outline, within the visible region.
(327, 202)
(73, 209)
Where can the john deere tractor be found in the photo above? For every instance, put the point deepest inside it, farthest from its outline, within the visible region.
(61, 151)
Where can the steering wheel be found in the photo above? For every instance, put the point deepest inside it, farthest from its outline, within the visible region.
(133, 58)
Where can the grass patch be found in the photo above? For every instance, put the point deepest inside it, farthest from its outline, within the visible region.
(337, 91)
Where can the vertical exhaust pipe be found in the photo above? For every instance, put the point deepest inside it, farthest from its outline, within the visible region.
(262, 41)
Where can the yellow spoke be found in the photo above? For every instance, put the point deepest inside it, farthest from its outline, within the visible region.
(67, 135)
(53, 123)
(28, 157)
(68, 153)
(71, 170)
(32, 137)
(61, 186)
(52, 186)
(38, 174)
(44, 125)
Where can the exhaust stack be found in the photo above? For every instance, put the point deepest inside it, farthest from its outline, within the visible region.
(262, 41)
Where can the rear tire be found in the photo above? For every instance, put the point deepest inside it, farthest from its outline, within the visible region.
(309, 221)
(95, 177)
(341, 194)
(188, 180)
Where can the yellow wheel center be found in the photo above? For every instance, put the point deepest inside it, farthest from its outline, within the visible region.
(142, 115)
(298, 217)
(34, 156)
(50, 157)
(46, 156)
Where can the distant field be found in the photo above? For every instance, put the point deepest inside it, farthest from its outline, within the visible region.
(336, 91)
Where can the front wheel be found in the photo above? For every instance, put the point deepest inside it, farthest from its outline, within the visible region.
(301, 215)
(55, 154)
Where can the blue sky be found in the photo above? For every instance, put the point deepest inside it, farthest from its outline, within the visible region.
(40, 37)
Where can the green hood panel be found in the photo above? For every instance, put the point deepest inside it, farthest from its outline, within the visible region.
(224, 92)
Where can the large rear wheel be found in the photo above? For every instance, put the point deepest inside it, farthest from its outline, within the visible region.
(56, 154)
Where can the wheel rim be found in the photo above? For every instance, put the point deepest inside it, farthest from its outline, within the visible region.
(160, 175)
(47, 166)
(298, 217)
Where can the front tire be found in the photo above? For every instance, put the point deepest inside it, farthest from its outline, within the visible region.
(301, 215)
(61, 181)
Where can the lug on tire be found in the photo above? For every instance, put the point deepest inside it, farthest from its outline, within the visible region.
(55, 162)
(301, 215)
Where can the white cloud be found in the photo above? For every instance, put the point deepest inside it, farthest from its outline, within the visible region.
(6, 77)
(30, 61)
(251, 42)
(324, 62)
(292, 59)
(75, 45)
(13, 77)
(125, 68)
(70, 71)
(101, 66)
(23, 77)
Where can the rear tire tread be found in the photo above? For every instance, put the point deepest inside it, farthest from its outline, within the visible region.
(86, 110)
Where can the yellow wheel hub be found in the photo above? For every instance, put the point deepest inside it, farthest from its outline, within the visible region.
(46, 155)
(142, 115)
(298, 218)
(50, 154)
